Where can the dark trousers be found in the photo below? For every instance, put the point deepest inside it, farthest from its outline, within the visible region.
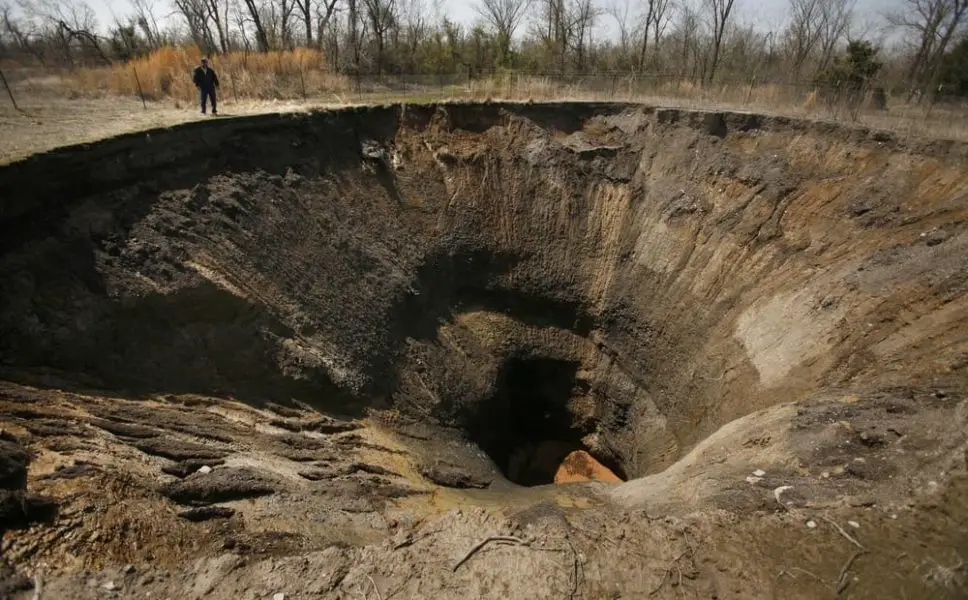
(208, 94)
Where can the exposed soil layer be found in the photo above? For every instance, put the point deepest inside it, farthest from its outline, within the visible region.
(291, 345)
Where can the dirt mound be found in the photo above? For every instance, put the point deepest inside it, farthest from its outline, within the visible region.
(341, 325)
(580, 466)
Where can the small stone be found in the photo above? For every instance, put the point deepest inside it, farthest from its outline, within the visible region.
(811, 524)
(854, 524)
(759, 472)
(279, 596)
(893, 516)
(111, 586)
(205, 469)
(128, 569)
(825, 475)
(751, 479)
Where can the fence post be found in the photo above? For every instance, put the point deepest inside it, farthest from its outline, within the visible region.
(302, 81)
(9, 92)
(235, 96)
(140, 91)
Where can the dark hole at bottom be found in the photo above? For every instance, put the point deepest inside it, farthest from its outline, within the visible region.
(526, 427)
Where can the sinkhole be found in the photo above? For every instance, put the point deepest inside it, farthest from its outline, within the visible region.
(529, 425)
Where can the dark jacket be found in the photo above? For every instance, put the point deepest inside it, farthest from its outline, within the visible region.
(205, 79)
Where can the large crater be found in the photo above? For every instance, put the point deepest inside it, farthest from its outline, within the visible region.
(541, 278)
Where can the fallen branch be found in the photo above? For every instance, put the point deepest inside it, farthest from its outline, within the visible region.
(496, 538)
(842, 580)
(38, 586)
(668, 571)
(840, 529)
(789, 573)
(578, 572)
(379, 596)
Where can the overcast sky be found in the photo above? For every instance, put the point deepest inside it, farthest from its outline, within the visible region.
(770, 14)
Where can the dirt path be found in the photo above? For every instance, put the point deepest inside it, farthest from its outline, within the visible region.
(49, 123)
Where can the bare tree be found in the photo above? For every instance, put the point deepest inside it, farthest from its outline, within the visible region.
(261, 39)
(69, 24)
(721, 11)
(144, 16)
(932, 24)
(323, 10)
(688, 42)
(803, 32)
(382, 18)
(504, 17)
(415, 29)
(195, 14)
(620, 11)
(660, 19)
(218, 13)
(582, 23)
(648, 13)
(836, 17)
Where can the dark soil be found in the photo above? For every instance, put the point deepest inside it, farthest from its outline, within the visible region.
(385, 327)
(222, 484)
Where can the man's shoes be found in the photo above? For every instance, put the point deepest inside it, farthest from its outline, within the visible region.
(214, 113)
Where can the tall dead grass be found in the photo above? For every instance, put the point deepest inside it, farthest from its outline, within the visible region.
(167, 73)
(302, 75)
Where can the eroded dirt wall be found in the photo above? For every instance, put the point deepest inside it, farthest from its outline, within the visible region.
(694, 267)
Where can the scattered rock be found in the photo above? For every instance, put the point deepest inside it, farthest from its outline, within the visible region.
(320, 425)
(177, 450)
(127, 430)
(219, 486)
(450, 475)
(12, 581)
(204, 513)
(20, 509)
(13, 466)
(187, 467)
(128, 569)
(854, 524)
(78, 469)
(111, 586)
(285, 411)
(811, 524)
(581, 466)
(205, 469)
(344, 470)
(279, 596)
(759, 473)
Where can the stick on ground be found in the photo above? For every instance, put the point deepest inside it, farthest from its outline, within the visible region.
(496, 538)
(140, 92)
(842, 580)
(846, 535)
(376, 588)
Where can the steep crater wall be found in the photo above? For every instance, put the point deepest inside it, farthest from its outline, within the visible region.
(546, 278)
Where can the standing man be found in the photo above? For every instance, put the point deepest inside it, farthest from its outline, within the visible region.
(207, 82)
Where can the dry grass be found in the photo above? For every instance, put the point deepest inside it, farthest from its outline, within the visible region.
(942, 121)
(87, 105)
(167, 73)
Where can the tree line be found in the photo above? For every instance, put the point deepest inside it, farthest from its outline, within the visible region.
(922, 45)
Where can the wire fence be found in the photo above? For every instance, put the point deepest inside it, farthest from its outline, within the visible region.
(906, 111)
(900, 110)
